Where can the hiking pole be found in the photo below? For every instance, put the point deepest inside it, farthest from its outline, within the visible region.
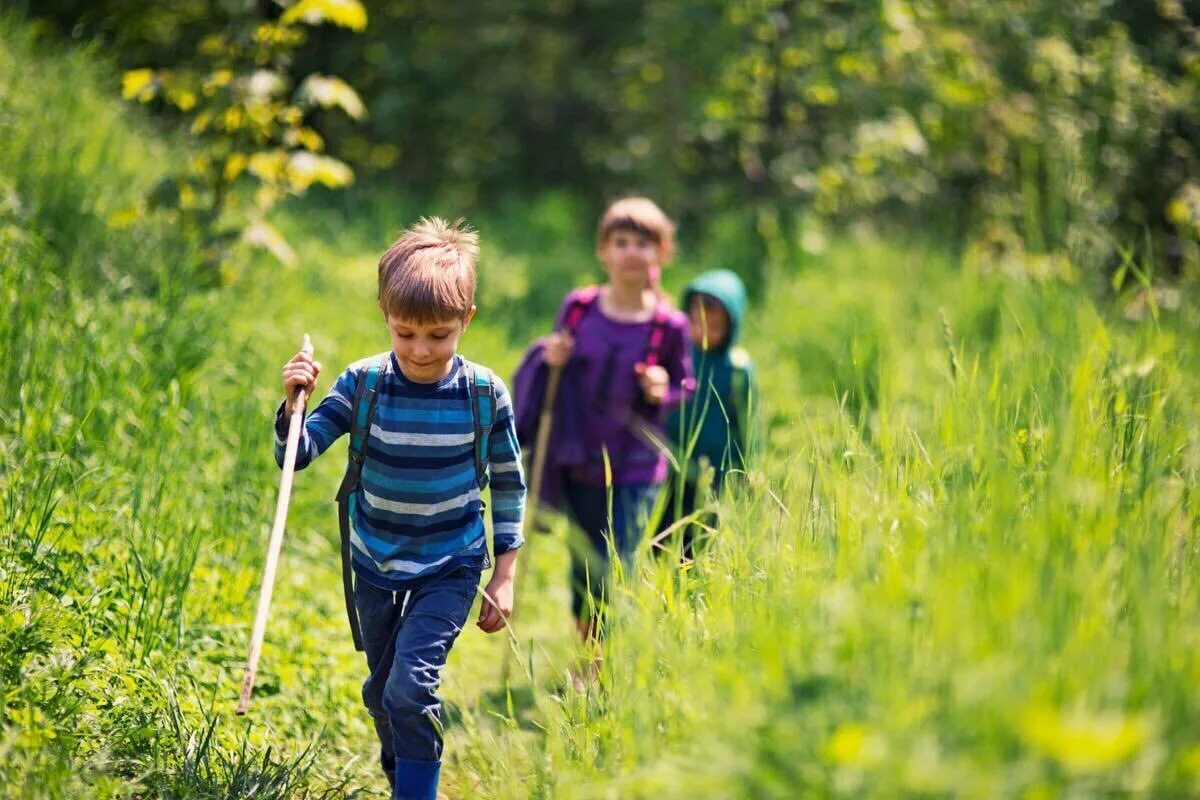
(545, 420)
(281, 509)
(542, 442)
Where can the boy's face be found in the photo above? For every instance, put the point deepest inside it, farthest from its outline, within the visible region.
(425, 350)
(628, 257)
(710, 321)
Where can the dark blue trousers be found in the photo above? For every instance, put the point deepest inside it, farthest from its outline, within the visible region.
(589, 507)
(407, 637)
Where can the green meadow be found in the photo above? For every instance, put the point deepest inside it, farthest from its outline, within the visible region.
(965, 563)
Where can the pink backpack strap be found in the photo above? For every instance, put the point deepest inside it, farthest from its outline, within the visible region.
(583, 300)
(658, 332)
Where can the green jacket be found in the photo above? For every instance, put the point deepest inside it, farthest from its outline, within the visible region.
(717, 422)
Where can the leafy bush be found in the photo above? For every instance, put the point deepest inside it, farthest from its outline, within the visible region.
(237, 98)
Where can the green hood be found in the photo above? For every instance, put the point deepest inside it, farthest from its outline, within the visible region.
(728, 288)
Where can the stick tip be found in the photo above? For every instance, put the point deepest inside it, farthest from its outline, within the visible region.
(306, 346)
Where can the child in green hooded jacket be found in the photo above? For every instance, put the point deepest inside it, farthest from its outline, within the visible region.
(712, 431)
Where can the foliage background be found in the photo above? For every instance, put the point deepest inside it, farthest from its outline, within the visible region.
(1020, 125)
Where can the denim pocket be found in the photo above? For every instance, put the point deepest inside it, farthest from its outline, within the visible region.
(377, 612)
(451, 597)
(469, 588)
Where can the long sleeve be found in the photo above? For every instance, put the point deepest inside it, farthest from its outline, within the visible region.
(507, 477)
(329, 420)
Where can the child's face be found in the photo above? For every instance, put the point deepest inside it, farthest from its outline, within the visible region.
(628, 257)
(425, 350)
(710, 321)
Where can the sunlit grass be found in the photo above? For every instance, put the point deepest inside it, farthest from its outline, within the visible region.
(966, 564)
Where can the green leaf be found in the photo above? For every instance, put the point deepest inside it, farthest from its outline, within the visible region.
(138, 84)
(305, 169)
(268, 165)
(327, 91)
(345, 13)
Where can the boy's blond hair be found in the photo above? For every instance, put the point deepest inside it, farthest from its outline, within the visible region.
(428, 274)
(639, 215)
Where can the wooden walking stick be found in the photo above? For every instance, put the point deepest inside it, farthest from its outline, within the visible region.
(545, 420)
(281, 509)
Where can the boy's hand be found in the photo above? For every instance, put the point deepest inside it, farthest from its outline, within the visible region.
(558, 349)
(497, 605)
(655, 382)
(299, 373)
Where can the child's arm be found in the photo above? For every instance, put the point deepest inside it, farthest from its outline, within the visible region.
(497, 605)
(508, 512)
(560, 344)
(326, 423)
(677, 368)
(299, 373)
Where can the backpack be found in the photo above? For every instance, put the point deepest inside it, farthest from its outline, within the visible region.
(586, 298)
(583, 301)
(362, 411)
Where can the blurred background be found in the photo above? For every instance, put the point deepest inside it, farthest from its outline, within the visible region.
(1066, 131)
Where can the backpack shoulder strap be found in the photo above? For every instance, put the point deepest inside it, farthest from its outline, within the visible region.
(362, 410)
(483, 411)
(580, 304)
(658, 332)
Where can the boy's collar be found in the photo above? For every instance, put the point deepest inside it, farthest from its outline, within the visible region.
(451, 375)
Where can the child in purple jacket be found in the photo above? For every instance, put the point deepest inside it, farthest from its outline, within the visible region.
(626, 358)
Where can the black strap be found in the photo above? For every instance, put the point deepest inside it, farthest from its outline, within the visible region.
(348, 575)
(359, 433)
(355, 460)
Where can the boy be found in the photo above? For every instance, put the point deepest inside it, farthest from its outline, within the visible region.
(719, 416)
(414, 501)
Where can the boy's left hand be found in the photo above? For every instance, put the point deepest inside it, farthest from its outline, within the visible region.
(655, 381)
(497, 605)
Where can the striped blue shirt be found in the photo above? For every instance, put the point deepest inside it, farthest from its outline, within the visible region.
(417, 511)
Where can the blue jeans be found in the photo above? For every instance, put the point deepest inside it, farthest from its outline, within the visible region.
(589, 507)
(407, 637)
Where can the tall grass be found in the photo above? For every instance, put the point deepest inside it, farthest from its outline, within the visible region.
(964, 565)
(107, 494)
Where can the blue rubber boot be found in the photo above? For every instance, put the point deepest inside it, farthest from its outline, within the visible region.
(416, 780)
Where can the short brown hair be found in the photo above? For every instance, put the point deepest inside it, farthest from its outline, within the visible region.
(428, 274)
(643, 216)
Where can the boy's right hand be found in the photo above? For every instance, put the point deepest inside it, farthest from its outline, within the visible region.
(299, 373)
(559, 346)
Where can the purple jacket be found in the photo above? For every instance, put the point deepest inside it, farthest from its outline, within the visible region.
(600, 404)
